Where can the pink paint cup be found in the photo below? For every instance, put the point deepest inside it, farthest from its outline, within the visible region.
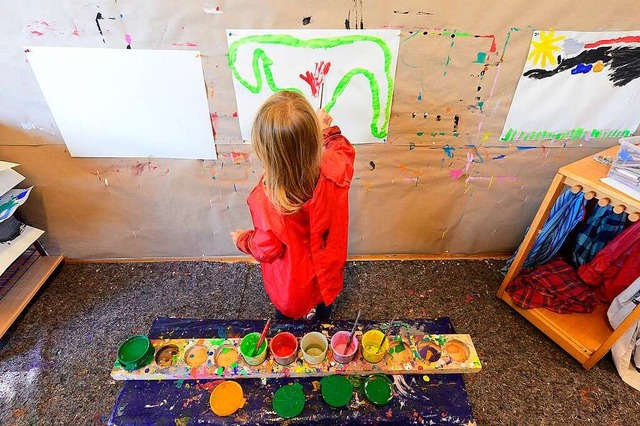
(341, 353)
(284, 347)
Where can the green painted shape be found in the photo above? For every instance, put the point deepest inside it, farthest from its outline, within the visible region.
(377, 389)
(261, 57)
(481, 57)
(289, 400)
(337, 390)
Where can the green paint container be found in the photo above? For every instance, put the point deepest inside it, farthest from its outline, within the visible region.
(378, 389)
(289, 400)
(251, 355)
(337, 390)
(135, 352)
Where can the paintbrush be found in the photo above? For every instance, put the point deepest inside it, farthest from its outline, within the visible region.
(262, 336)
(353, 330)
(321, 94)
(385, 335)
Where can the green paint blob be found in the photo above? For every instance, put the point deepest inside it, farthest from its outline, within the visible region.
(260, 58)
(337, 390)
(289, 400)
(249, 343)
(377, 389)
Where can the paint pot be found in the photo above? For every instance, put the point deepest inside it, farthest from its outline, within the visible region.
(337, 390)
(251, 355)
(371, 350)
(429, 351)
(196, 355)
(226, 398)
(167, 355)
(225, 356)
(284, 347)
(400, 351)
(457, 350)
(341, 353)
(378, 389)
(135, 352)
(314, 347)
(289, 400)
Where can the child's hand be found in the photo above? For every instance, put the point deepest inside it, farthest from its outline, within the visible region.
(236, 234)
(324, 118)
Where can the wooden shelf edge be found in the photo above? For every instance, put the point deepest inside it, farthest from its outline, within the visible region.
(551, 329)
(12, 304)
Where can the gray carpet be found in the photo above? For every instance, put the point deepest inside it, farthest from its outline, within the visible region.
(55, 362)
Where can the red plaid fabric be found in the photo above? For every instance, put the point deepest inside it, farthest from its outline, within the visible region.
(555, 286)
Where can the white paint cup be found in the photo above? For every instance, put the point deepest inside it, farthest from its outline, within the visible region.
(314, 347)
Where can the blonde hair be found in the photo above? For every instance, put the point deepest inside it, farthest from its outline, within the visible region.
(287, 139)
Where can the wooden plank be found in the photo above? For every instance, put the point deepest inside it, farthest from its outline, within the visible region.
(579, 334)
(557, 185)
(461, 358)
(353, 258)
(23, 291)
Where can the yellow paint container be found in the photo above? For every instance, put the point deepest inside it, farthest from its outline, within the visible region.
(370, 344)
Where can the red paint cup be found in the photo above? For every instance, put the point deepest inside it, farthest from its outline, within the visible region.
(284, 347)
(341, 353)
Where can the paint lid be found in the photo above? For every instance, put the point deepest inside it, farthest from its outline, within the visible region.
(227, 398)
(289, 400)
(135, 352)
(336, 390)
(378, 389)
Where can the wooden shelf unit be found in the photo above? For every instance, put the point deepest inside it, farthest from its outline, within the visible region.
(586, 337)
(31, 277)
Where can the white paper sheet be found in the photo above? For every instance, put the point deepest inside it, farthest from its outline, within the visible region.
(8, 179)
(593, 92)
(358, 82)
(635, 193)
(11, 200)
(11, 250)
(126, 103)
(5, 165)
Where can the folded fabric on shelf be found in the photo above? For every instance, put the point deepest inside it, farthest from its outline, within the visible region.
(555, 286)
(615, 267)
(602, 226)
(566, 213)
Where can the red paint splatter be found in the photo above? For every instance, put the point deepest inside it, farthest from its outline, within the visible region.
(138, 169)
(627, 39)
(235, 114)
(316, 79)
(75, 31)
(37, 33)
(493, 48)
(239, 157)
(214, 122)
(389, 414)
(188, 44)
(209, 386)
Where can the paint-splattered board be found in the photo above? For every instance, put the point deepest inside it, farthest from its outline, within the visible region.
(219, 358)
(418, 399)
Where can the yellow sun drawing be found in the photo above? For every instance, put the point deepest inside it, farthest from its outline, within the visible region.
(545, 48)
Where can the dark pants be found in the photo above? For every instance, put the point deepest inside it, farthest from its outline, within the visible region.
(323, 313)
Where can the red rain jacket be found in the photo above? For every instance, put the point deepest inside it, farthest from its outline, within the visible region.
(302, 255)
(616, 266)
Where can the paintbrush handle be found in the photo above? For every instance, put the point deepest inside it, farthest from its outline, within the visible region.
(263, 335)
(385, 334)
(353, 330)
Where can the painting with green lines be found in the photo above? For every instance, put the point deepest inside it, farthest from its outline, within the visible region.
(349, 73)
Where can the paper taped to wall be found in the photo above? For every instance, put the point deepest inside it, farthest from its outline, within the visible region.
(349, 73)
(126, 102)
